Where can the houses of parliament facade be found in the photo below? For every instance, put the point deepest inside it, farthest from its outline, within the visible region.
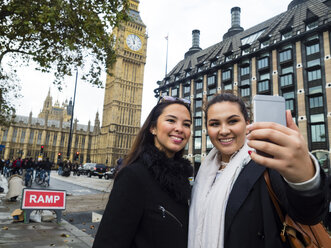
(287, 55)
(49, 133)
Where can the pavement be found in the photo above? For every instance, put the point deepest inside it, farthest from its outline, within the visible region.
(37, 234)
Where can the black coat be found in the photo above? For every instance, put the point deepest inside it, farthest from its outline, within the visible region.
(251, 220)
(146, 207)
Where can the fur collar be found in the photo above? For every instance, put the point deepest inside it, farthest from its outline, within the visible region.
(171, 173)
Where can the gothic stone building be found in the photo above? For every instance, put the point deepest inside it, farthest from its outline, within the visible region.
(287, 55)
(27, 135)
(121, 110)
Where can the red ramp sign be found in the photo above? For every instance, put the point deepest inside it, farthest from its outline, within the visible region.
(43, 199)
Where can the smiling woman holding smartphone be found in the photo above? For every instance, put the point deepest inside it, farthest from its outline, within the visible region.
(148, 205)
(230, 204)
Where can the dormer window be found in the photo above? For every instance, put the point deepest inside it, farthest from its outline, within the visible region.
(245, 51)
(287, 35)
(311, 25)
(251, 38)
(265, 44)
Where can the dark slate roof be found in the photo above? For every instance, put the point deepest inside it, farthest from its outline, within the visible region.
(41, 121)
(135, 17)
(292, 20)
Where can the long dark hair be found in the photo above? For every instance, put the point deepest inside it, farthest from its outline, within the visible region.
(228, 97)
(145, 137)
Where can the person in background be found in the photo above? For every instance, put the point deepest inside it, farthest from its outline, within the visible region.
(148, 205)
(230, 205)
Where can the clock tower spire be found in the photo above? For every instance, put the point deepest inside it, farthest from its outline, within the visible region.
(123, 90)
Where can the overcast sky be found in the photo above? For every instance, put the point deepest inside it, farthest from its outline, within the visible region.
(176, 18)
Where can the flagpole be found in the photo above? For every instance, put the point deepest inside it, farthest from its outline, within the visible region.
(167, 38)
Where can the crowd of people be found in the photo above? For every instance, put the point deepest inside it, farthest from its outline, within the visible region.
(22, 166)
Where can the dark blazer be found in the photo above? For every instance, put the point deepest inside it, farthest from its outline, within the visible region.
(251, 220)
(140, 214)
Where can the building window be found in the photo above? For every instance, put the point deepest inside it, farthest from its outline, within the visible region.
(264, 76)
(62, 139)
(39, 138)
(197, 143)
(198, 122)
(317, 118)
(47, 138)
(244, 92)
(198, 113)
(244, 71)
(187, 89)
(289, 100)
(245, 51)
(198, 103)
(318, 133)
(312, 49)
(286, 70)
(245, 82)
(314, 75)
(83, 142)
(263, 86)
(265, 44)
(22, 136)
(198, 95)
(174, 92)
(316, 102)
(198, 85)
(31, 137)
(226, 75)
(212, 91)
(14, 135)
(263, 63)
(228, 86)
(311, 25)
(54, 139)
(251, 38)
(211, 80)
(315, 90)
(285, 55)
(164, 93)
(5, 134)
(287, 35)
(313, 63)
(286, 80)
(197, 133)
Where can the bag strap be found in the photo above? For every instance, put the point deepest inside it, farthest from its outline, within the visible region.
(273, 195)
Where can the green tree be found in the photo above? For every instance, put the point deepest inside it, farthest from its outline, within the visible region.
(58, 36)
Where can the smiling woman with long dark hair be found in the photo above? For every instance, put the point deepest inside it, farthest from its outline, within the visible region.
(148, 205)
(230, 206)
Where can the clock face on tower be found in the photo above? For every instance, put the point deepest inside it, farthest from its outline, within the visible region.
(133, 42)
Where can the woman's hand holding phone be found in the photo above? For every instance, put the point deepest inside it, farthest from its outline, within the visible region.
(287, 146)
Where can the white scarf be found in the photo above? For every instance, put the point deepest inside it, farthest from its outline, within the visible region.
(210, 197)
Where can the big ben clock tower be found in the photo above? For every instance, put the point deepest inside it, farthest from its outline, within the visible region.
(123, 91)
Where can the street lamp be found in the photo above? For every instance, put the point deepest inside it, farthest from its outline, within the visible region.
(72, 117)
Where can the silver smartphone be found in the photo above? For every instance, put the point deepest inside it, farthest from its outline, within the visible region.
(269, 109)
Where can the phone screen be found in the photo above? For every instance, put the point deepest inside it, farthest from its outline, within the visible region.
(269, 109)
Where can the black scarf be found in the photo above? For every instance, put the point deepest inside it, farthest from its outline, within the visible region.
(171, 173)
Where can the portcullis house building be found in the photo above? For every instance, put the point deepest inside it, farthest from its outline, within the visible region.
(287, 55)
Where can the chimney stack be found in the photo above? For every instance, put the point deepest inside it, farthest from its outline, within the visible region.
(235, 16)
(195, 43)
(195, 38)
(235, 23)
